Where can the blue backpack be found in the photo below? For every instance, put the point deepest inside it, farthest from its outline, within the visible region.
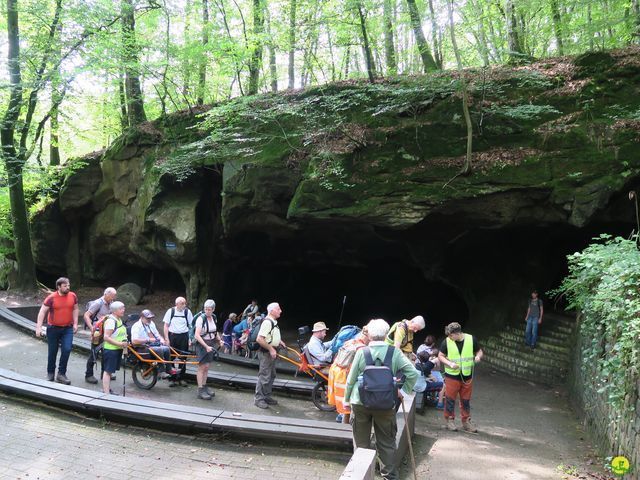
(345, 334)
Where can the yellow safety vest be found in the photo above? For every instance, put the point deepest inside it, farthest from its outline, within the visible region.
(119, 334)
(464, 360)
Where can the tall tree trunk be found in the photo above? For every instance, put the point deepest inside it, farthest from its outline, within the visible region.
(437, 47)
(513, 39)
(366, 48)
(255, 62)
(273, 67)
(56, 98)
(466, 169)
(428, 62)
(557, 25)
(122, 99)
(292, 43)
(202, 68)
(14, 159)
(636, 15)
(133, 90)
(389, 47)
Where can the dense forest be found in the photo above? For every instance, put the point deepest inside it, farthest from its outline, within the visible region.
(77, 74)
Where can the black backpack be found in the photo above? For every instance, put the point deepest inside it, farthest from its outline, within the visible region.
(252, 342)
(378, 390)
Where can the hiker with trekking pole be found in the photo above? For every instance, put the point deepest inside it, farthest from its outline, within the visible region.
(459, 353)
(372, 391)
(115, 341)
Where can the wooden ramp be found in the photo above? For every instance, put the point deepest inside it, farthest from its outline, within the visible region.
(302, 387)
(174, 417)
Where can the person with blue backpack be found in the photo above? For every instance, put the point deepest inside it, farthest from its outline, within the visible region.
(373, 394)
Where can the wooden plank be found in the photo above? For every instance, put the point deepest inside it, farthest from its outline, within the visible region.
(109, 406)
(294, 422)
(48, 395)
(361, 466)
(171, 407)
(26, 380)
(283, 432)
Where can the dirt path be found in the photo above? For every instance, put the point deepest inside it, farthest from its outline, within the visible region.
(527, 431)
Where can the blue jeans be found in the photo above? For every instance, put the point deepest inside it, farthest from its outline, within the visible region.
(61, 337)
(531, 333)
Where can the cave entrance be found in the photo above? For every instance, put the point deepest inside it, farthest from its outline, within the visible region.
(389, 290)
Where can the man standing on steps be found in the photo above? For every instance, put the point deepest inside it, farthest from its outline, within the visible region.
(459, 353)
(268, 339)
(177, 322)
(97, 310)
(61, 310)
(533, 318)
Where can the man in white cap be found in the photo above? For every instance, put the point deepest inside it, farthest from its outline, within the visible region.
(318, 352)
(145, 336)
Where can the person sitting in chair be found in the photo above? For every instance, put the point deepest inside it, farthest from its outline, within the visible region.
(317, 351)
(145, 336)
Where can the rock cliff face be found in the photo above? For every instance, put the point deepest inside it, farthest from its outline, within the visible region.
(348, 189)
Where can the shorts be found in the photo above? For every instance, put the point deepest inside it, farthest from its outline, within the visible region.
(111, 360)
(227, 339)
(202, 355)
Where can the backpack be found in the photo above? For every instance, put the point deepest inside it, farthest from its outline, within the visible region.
(252, 343)
(345, 334)
(98, 332)
(90, 304)
(378, 390)
(392, 332)
(205, 324)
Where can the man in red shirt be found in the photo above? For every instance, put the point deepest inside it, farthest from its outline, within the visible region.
(61, 310)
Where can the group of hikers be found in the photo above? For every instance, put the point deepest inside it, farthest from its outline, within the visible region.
(368, 376)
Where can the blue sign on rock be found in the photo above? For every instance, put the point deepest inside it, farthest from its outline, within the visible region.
(170, 245)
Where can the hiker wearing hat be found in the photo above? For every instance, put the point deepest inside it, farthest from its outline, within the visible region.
(145, 336)
(319, 352)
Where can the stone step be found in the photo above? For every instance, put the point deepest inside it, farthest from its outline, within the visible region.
(522, 372)
(550, 378)
(518, 336)
(547, 329)
(560, 317)
(528, 358)
(500, 345)
(542, 333)
(541, 346)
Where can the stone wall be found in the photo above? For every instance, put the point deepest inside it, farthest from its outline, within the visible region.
(610, 438)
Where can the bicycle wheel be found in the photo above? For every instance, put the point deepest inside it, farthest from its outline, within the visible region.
(319, 397)
(144, 375)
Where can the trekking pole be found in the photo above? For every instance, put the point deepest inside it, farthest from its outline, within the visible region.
(406, 426)
(344, 300)
(124, 370)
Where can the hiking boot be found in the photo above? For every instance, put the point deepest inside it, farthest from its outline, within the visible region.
(210, 392)
(111, 392)
(91, 379)
(261, 404)
(202, 394)
(450, 425)
(469, 427)
(62, 378)
(113, 376)
(271, 401)
(50, 377)
(440, 406)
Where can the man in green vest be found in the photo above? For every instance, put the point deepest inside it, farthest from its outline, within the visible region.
(459, 353)
(115, 340)
(401, 335)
